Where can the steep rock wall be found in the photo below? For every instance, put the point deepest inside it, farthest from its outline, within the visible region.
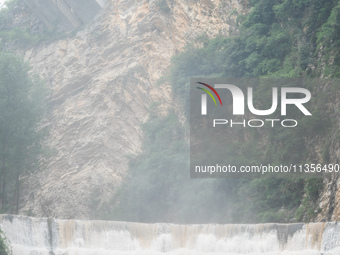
(102, 82)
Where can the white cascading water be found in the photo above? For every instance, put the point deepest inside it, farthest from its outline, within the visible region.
(47, 236)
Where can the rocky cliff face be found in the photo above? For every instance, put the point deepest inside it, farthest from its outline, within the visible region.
(102, 82)
(326, 148)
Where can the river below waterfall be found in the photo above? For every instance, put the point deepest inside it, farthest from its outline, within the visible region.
(47, 236)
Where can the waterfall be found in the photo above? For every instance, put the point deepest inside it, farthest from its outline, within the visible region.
(47, 236)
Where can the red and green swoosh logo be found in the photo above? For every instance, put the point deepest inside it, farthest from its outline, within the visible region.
(209, 93)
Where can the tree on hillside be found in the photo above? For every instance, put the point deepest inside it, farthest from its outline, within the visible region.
(21, 110)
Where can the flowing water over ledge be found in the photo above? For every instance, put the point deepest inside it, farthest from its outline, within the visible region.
(47, 236)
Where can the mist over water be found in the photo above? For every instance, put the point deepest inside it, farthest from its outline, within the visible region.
(42, 236)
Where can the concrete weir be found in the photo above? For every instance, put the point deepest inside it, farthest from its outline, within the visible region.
(47, 236)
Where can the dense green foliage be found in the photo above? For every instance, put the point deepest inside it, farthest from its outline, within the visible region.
(281, 38)
(4, 246)
(21, 110)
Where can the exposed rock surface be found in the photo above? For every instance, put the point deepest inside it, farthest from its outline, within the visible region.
(326, 149)
(22, 17)
(103, 80)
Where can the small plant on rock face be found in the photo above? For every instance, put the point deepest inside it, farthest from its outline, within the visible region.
(163, 6)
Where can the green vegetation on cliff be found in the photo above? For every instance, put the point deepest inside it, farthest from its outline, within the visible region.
(4, 245)
(281, 38)
(21, 109)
